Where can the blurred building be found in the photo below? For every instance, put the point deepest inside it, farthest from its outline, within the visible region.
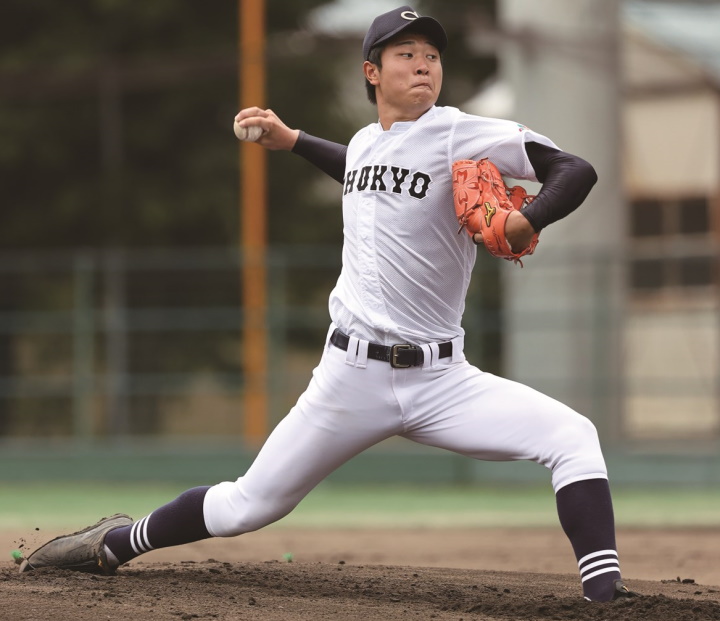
(671, 162)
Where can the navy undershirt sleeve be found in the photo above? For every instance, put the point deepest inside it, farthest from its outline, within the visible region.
(327, 156)
(567, 180)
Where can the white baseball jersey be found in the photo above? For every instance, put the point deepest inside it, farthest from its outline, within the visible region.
(406, 270)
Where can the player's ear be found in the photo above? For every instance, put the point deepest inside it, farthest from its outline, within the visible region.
(371, 72)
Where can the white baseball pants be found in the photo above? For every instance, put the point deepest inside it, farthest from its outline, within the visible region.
(353, 403)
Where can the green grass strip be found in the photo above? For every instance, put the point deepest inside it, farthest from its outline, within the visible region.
(27, 506)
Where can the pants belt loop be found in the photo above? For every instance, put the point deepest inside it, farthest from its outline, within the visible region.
(435, 350)
(458, 349)
(352, 351)
(362, 356)
(427, 356)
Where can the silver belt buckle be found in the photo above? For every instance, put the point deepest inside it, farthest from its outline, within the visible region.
(394, 354)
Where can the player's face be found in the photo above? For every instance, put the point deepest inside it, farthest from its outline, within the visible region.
(410, 79)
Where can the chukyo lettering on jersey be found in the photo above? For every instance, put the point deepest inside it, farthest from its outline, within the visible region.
(381, 178)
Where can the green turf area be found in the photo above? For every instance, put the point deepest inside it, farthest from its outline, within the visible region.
(387, 506)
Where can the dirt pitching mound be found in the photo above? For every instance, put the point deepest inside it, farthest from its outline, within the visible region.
(322, 591)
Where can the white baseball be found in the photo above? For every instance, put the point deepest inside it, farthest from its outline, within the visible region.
(249, 134)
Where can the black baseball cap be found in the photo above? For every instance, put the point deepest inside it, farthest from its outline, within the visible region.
(391, 23)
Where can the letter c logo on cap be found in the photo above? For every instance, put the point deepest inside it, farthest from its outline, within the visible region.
(409, 15)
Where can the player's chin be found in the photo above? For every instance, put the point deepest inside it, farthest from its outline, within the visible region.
(423, 96)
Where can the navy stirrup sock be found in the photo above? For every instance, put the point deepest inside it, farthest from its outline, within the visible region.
(180, 521)
(586, 515)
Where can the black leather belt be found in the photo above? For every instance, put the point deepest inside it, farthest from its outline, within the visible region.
(399, 356)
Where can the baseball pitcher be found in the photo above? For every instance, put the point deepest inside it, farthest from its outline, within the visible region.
(422, 188)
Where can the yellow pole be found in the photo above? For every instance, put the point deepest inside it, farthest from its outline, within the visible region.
(253, 200)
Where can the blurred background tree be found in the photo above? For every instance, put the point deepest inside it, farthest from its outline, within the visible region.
(116, 121)
(116, 118)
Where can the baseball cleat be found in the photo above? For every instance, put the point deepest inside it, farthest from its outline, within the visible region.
(81, 551)
(622, 592)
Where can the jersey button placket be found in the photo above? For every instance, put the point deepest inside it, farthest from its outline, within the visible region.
(367, 263)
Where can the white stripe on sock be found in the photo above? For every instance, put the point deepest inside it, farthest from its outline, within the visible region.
(587, 557)
(145, 539)
(132, 538)
(601, 571)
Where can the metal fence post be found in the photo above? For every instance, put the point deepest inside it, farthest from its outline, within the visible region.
(83, 347)
(116, 345)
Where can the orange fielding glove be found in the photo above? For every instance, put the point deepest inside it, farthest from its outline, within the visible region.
(483, 203)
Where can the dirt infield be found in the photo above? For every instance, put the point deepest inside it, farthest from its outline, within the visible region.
(482, 574)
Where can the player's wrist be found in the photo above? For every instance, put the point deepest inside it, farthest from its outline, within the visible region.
(528, 215)
(518, 231)
(292, 140)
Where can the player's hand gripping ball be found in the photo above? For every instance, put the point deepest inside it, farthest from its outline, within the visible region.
(483, 204)
(248, 134)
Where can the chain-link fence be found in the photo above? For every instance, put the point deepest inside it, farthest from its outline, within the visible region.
(106, 344)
